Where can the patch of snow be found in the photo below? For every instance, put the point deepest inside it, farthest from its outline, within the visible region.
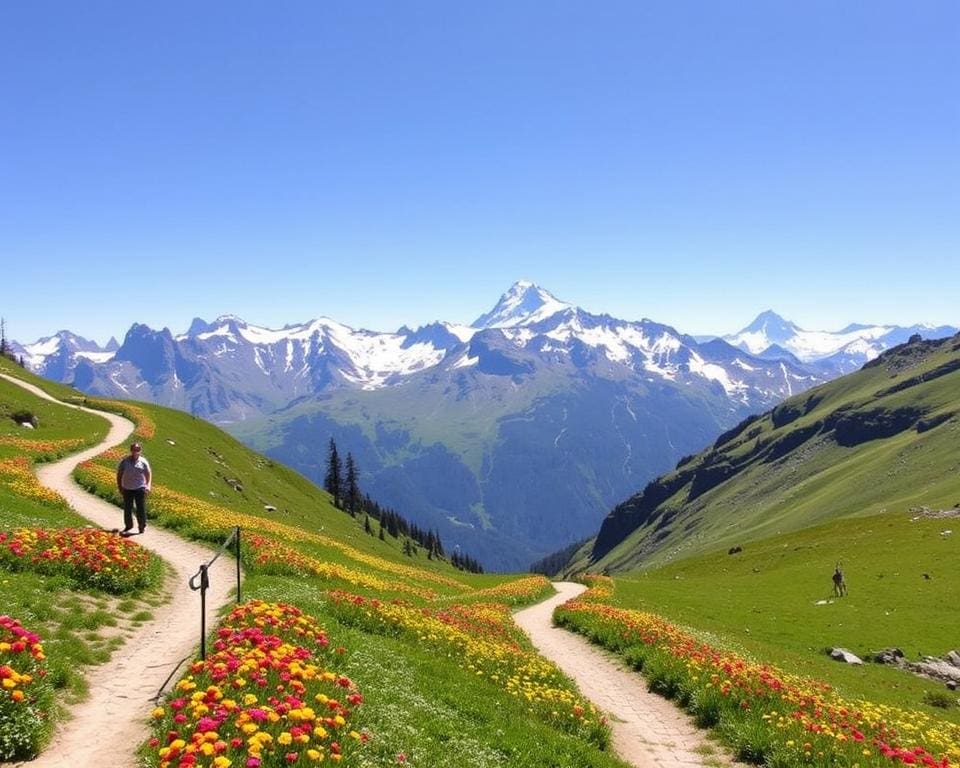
(465, 361)
(97, 357)
(44, 347)
(786, 379)
(258, 359)
(462, 332)
(716, 373)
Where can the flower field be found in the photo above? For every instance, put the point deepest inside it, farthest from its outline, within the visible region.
(25, 698)
(90, 557)
(767, 716)
(265, 697)
(39, 448)
(214, 522)
(521, 591)
(487, 644)
(145, 426)
(269, 556)
(18, 477)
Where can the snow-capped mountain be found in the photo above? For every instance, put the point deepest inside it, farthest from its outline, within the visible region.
(512, 436)
(524, 304)
(845, 350)
(55, 357)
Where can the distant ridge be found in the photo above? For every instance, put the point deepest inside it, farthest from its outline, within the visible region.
(514, 435)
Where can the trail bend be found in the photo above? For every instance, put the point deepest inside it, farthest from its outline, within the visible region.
(648, 730)
(108, 726)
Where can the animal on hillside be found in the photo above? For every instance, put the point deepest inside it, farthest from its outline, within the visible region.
(839, 583)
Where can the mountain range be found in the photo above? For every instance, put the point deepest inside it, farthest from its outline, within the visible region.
(882, 439)
(512, 436)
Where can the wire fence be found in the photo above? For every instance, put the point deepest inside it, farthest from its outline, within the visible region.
(201, 581)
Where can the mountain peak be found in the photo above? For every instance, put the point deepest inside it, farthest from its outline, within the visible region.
(523, 304)
(773, 325)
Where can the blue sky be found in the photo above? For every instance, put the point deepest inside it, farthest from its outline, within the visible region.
(388, 163)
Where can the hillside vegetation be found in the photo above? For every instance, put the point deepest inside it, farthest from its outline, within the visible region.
(382, 658)
(883, 439)
(735, 548)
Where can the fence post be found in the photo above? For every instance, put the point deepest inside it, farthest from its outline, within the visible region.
(204, 583)
(238, 566)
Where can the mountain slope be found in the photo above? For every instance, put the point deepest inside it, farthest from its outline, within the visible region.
(882, 438)
(519, 440)
(513, 436)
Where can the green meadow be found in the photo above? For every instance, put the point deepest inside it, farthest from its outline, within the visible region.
(774, 600)
(431, 696)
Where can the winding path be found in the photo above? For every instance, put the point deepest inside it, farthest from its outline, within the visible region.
(111, 724)
(648, 730)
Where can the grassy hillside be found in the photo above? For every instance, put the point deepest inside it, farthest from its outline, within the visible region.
(738, 544)
(881, 440)
(80, 616)
(420, 663)
(774, 599)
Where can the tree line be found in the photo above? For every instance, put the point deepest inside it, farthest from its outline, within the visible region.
(342, 483)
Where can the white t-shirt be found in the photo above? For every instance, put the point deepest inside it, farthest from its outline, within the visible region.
(133, 475)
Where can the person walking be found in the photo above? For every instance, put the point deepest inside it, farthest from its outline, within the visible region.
(839, 582)
(133, 482)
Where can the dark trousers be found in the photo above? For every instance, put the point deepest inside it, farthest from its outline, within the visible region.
(130, 498)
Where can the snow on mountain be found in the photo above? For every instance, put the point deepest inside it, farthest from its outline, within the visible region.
(369, 359)
(55, 355)
(769, 329)
(768, 359)
(524, 304)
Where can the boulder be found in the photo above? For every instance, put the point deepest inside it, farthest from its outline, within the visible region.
(842, 654)
(888, 656)
(938, 669)
(953, 657)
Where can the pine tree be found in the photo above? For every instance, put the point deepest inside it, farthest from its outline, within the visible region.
(352, 490)
(333, 482)
(366, 525)
(3, 337)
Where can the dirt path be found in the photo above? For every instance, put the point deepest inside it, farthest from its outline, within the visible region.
(108, 727)
(648, 730)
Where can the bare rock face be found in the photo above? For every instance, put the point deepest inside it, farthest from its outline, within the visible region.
(847, 657)
(945, 669)
(938, 669)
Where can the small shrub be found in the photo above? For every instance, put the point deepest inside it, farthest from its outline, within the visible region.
(664, 676)
(707, 705)
(939, 699)
(752, 739)
(25, 417)
(636, 656)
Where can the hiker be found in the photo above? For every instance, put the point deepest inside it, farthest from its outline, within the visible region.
(839, 584)
(133, 482)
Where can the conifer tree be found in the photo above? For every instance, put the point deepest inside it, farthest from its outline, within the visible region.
(333, 482)
(366, 525)
(352, 490)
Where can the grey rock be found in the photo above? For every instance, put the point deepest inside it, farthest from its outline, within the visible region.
(847, 657)
(888, 656)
